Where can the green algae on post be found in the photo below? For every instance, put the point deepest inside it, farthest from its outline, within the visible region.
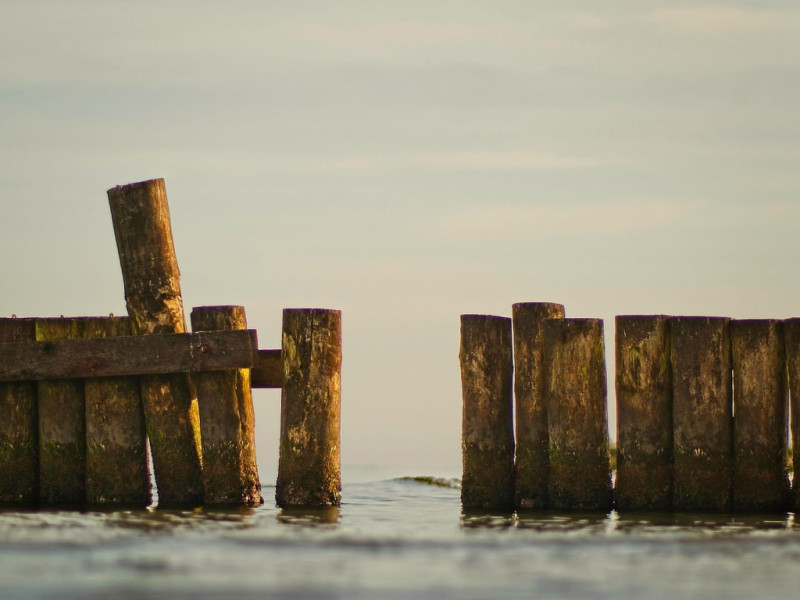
(487, 418)
(227, 420)
(532, 464)
(575, 384)
(309, 466)
(644, 413)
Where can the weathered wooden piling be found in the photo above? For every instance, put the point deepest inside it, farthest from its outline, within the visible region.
(227, 419)
(309, 469)
(702, 413)
(575, 386)
(760, 472)
(140, 214)
(487, 420)
(117, 470)
(19, 427)
(791, 332)
(532, 464)
(62, 426)
(644, 413)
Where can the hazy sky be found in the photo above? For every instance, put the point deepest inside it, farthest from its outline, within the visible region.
(406, 163)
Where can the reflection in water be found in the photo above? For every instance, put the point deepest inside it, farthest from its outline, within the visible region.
(309, 517)
(476, 519)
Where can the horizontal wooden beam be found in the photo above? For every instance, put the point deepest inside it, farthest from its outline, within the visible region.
(137, 355)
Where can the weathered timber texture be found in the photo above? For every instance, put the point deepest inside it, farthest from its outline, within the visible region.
(309, 469)
(644, 413)
(62, 427)
(117, 471)
(134, 355)
(140, 214)
(791, 332)
(227, 420)
(702, 413)
(575, 387)
(532, 462)
(268, 370)
(760, 472)
(487, 441)
(19, 427)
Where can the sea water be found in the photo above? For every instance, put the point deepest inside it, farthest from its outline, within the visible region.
(393, 538)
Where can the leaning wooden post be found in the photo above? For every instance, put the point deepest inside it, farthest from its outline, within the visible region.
(574, 363)
(532, 465)
(62, 426)
(117, 470)
(702, 413)
(487, 420)
(153, 295)
(760, 472)
(19, 427)
(227, 419)
(309, 469)
(644, 413)
(791, 332)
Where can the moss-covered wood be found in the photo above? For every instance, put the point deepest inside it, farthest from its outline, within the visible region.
(532, 464)
(575, 387)
(487, 418)
(19, 427)
(227, 420)
(644, 413)
(760, 471)
(309, 469)
(117, 470)
(702, 413)
(140, 214)
(62, 427)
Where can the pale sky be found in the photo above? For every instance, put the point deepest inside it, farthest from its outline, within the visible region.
(406, 163)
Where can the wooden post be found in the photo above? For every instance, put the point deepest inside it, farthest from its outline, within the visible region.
(760, 472)
(117, 471)
(702, 413)
(19, 427)
(532, 465)
(62, 426)
(791, 332)
(143, 232)
(227, 419)
(487, 421)
(309, 469)
(644, 413)
(574, 363)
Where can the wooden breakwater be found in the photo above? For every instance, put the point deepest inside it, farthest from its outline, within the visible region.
(82, 399)
(703, 407)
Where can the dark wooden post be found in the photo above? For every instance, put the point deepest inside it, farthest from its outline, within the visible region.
(309, 469)
(532, 465)
(19, 427)
(702, 413)
(791, 332)
(644, 413)
(62, 426)
(487, 422)
(575, 377)
(117, 470)
(227, 419)
(153, 295)
(760, 472)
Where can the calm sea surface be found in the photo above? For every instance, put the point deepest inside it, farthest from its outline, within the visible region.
(394, 538)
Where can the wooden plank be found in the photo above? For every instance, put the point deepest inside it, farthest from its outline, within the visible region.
(131, 355)
(791, 332)
(19, 428)
(267, 372)
(227, 420)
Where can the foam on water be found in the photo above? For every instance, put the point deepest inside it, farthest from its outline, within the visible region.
(395, 538)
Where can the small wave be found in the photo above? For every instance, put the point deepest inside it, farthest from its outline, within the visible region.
(435, 481)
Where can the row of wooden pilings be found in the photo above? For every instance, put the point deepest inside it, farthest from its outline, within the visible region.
(703, 409)
(74, 432)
